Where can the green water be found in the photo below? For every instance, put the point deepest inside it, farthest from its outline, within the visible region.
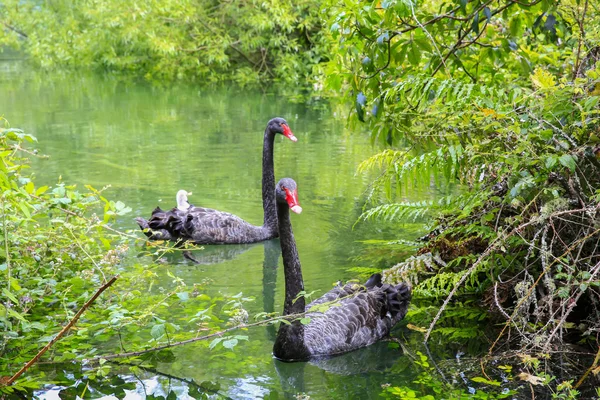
(147, 142)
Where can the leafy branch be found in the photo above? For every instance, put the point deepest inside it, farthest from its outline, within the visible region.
(12, 379)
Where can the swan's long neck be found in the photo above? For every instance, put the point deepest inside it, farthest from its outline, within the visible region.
(268, 184)
(294, 284)
(290, 342)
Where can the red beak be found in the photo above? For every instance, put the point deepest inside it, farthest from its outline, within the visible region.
(287, 132)
(292, 200)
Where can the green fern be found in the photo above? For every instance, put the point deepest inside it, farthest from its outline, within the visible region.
(398, 211)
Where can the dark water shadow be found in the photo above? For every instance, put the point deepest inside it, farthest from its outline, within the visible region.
(272, 251)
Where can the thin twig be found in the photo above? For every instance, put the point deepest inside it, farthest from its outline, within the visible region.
(581, 37)
(6, 242)
(62, 332)
(530, 291)
(594, 364)
(495, 244)
(18, 31)
(196, 339)
(389, 59)
(88, 255)
(572, 304)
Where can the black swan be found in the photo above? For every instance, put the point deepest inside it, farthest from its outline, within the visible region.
(345, 318)
(162, 224)
(207, 226)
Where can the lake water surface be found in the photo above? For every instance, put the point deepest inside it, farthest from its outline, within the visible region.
(147, 142)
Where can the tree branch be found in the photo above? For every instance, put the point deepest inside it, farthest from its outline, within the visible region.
(196, 339)
(60, 334)
(581, 37)
(493, 246)
(17, 31)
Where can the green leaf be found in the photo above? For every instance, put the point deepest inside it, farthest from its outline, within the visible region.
(183, 296)
(551, 161)
(487, 13)
(568, 161)
(475, 24)
(230, 344)
(25, 210)
(157, 331)
(41, 190)
(414, 55)
(591, 103)
(10, 296)
(515, 26)
(29, 187)
(215, 342)
(305, 321)
(423, 43)
(14, 283)
(361, 100)
(16, 315)
(481, 379)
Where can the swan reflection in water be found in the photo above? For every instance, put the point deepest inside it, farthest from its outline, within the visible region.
(350, 372)
(204, 255)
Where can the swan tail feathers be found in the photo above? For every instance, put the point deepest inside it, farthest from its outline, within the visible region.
(142, 223)
(397, 299)
(374, 281)
(176, 224)
(157, 210)
(152, 234)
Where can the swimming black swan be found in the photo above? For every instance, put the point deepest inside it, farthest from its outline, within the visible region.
(345, 318)
(207, 226)
(163, 224)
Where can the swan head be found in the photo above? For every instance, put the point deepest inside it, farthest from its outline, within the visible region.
(280, 125)
(287, 192)
(182, 200)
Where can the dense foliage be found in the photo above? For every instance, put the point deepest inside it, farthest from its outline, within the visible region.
(58, 248)
(502, 98)
(494, 102)
(194, 39)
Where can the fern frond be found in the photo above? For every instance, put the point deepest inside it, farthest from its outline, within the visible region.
(385, 159)
(400, 165)
(420, 93)
(398, 211)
